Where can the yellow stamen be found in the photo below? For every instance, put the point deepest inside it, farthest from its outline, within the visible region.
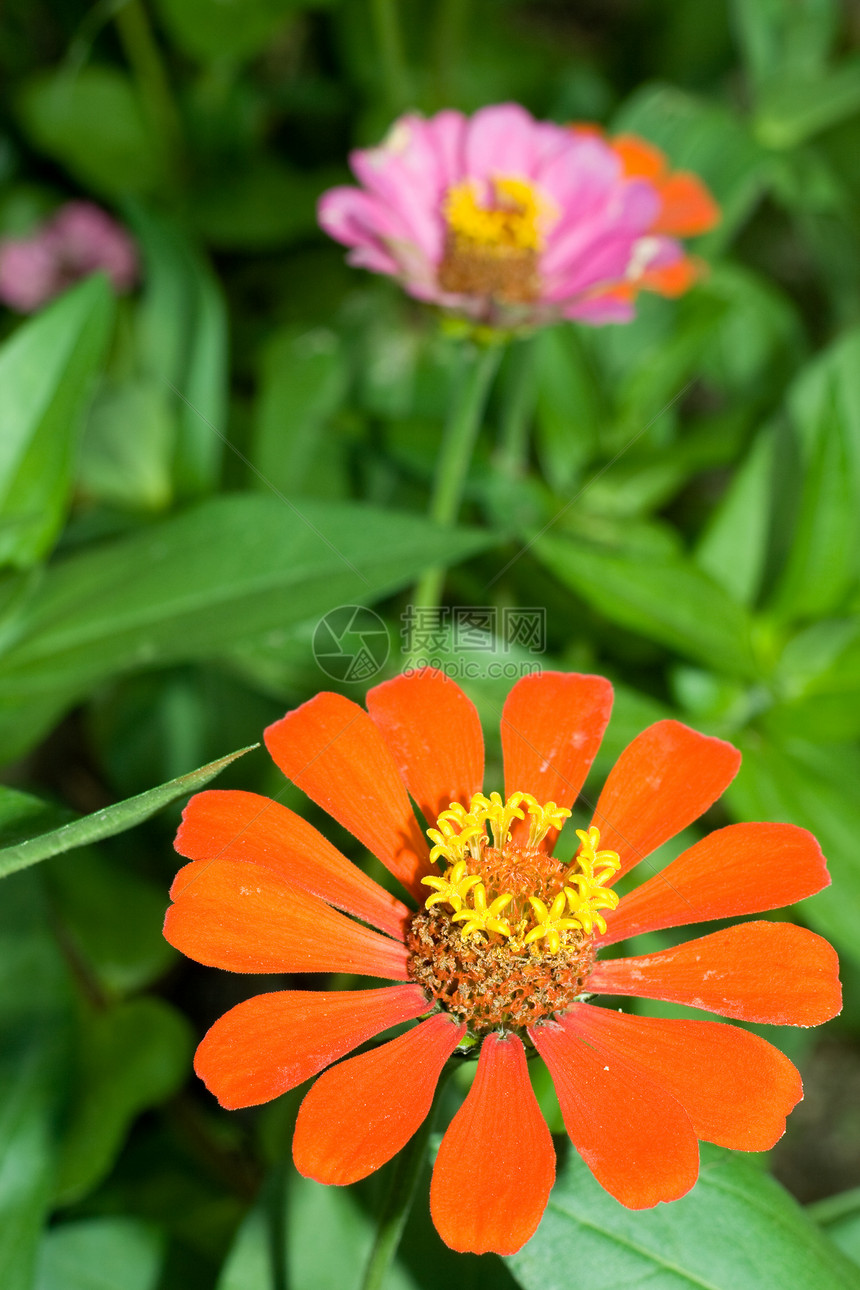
(543, 818)
(482, 917)
(550, 923)
(573, 895)
(453, 888)
(586, 893)
(504, 214)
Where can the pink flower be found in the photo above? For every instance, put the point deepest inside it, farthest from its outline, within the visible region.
(500, 218)
(78, 240)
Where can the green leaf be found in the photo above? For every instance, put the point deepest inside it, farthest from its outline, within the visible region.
(665, 598)
(225, 30)
(92, 122)
(270, 1252)
(304, 379)
(127, 447)
(268, 204)
(47, 369)
(101, 1254)
(818, 681)
(816, 788)
(111, 820)
(131, 1057)
(182, 337)
(230, 571)
(569, 411)
(733, 548)
(793, 108)
(790, 38)
(822, 563)
(34, 1023)
(839, 1217)
(112, 916)
(736, 1228)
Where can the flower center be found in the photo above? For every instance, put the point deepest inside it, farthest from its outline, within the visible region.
(507, 936)
(495, 234)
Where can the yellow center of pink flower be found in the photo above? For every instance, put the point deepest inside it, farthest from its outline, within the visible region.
(495, 232)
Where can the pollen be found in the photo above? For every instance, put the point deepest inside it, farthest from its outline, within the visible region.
(507, 934)
(495, 233)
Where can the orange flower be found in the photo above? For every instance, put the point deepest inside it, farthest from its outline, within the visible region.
(687, 209)
(504, 949)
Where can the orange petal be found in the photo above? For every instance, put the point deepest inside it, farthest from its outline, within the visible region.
(273, 1042)
(634, 1136)
(233, 825)
(243, 917)
(741, 869)
(666, 778)
(496, 1164)
(639, 158)
(359, 1114)
(552, 725)
(769, 972)
(687, 206)
(674, 279)
(736, 1088)
(334, 752)
(434, 733)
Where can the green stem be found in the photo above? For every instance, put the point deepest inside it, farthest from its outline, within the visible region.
(452, 467)
(391, 56)
(518, 408)
(451, 16)
(398, 1202)
(144, 58)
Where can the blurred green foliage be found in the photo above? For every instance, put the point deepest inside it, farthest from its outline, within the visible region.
(191, 476)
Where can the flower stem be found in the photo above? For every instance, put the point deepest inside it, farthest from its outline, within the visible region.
(389, 41)
(142, 52)
(398, 1202)
(458, 445)
(518, 410)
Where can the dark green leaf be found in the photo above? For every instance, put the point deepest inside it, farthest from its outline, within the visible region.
(127, 447)
(131, 1057)
(666, 599)
(182, 330)
(112, 916)
(47, 370)
(269, 204)
(791, 38)
(569, 412)
(839, 1217)
(91, 121)
(100, 1254)
(34, 1023)
(737, 1228)
(822, 563)
(814, 787)
(793, 108)
(304, 377)
(225, 30)
(282, 1232)
(111, 820)
(733, 549)
(228, 572)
